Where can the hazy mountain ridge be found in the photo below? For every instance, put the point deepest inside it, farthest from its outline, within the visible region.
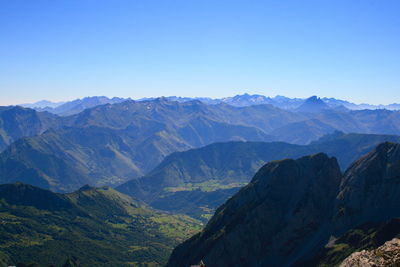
(78, 105)
(42, 104)
(99, 226)
(75, 106)
(291, 208)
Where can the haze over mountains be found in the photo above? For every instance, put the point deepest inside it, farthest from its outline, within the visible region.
(78, 105)
(112, 143)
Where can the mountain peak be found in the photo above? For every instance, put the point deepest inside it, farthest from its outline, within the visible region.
(313, 104)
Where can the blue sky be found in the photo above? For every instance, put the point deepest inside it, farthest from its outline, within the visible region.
(61, 50)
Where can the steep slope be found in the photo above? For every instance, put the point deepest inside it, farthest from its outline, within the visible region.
(290, 209)
(99, 226)
(374, 182)
(270, 222)
(197, 181)
(17, 122)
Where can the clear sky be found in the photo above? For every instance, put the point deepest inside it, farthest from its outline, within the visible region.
(62, 50)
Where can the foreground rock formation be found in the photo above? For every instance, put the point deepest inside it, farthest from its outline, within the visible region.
(291, 209)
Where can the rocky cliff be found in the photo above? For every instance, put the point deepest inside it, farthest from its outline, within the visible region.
(268, 222)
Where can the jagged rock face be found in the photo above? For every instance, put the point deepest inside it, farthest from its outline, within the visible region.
(277, 218)
(386, 255)
(370, 189)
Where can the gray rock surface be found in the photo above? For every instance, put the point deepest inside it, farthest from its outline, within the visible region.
(386, 255)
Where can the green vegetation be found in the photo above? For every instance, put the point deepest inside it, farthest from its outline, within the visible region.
(98, 226)
(207, 186)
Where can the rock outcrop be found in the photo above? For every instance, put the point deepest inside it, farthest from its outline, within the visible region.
(386, 255)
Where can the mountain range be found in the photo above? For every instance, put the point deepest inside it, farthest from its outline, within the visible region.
(113, 143)
(78, 105)
(110, 144)
(74, 106)
(291, 209)
(196, 157)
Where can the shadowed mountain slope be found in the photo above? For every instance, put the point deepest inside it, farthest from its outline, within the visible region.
(268, 222)
(365, 237)
(291, 208)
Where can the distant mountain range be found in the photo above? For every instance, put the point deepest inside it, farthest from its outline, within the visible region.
(42, 104)
(293, 209)
(112, 143)
(78, 105)
(73, 107)
(95, 226)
